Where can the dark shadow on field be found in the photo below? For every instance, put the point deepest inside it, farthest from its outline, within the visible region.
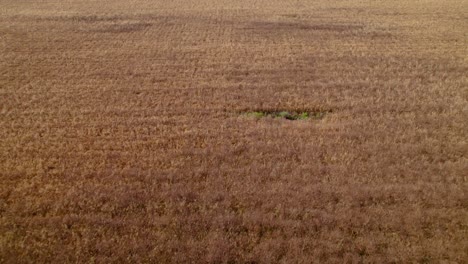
(123, 28)
(123, 24)
(273, 26)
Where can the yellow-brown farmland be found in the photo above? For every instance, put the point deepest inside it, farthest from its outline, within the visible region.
(241, 131)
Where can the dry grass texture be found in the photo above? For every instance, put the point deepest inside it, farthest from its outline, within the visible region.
(122, 138)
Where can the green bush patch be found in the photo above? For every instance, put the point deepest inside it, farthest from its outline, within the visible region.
(289, 115)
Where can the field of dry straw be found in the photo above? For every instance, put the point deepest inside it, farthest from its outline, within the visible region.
(151, 131)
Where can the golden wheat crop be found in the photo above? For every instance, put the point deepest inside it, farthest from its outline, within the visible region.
(151, 131)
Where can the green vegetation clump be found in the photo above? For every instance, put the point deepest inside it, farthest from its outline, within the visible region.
(256, 114)
(289, 115)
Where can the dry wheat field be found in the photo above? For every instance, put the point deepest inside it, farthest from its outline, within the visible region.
(151, 131)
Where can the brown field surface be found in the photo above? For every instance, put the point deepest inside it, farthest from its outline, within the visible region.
(127, 131)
